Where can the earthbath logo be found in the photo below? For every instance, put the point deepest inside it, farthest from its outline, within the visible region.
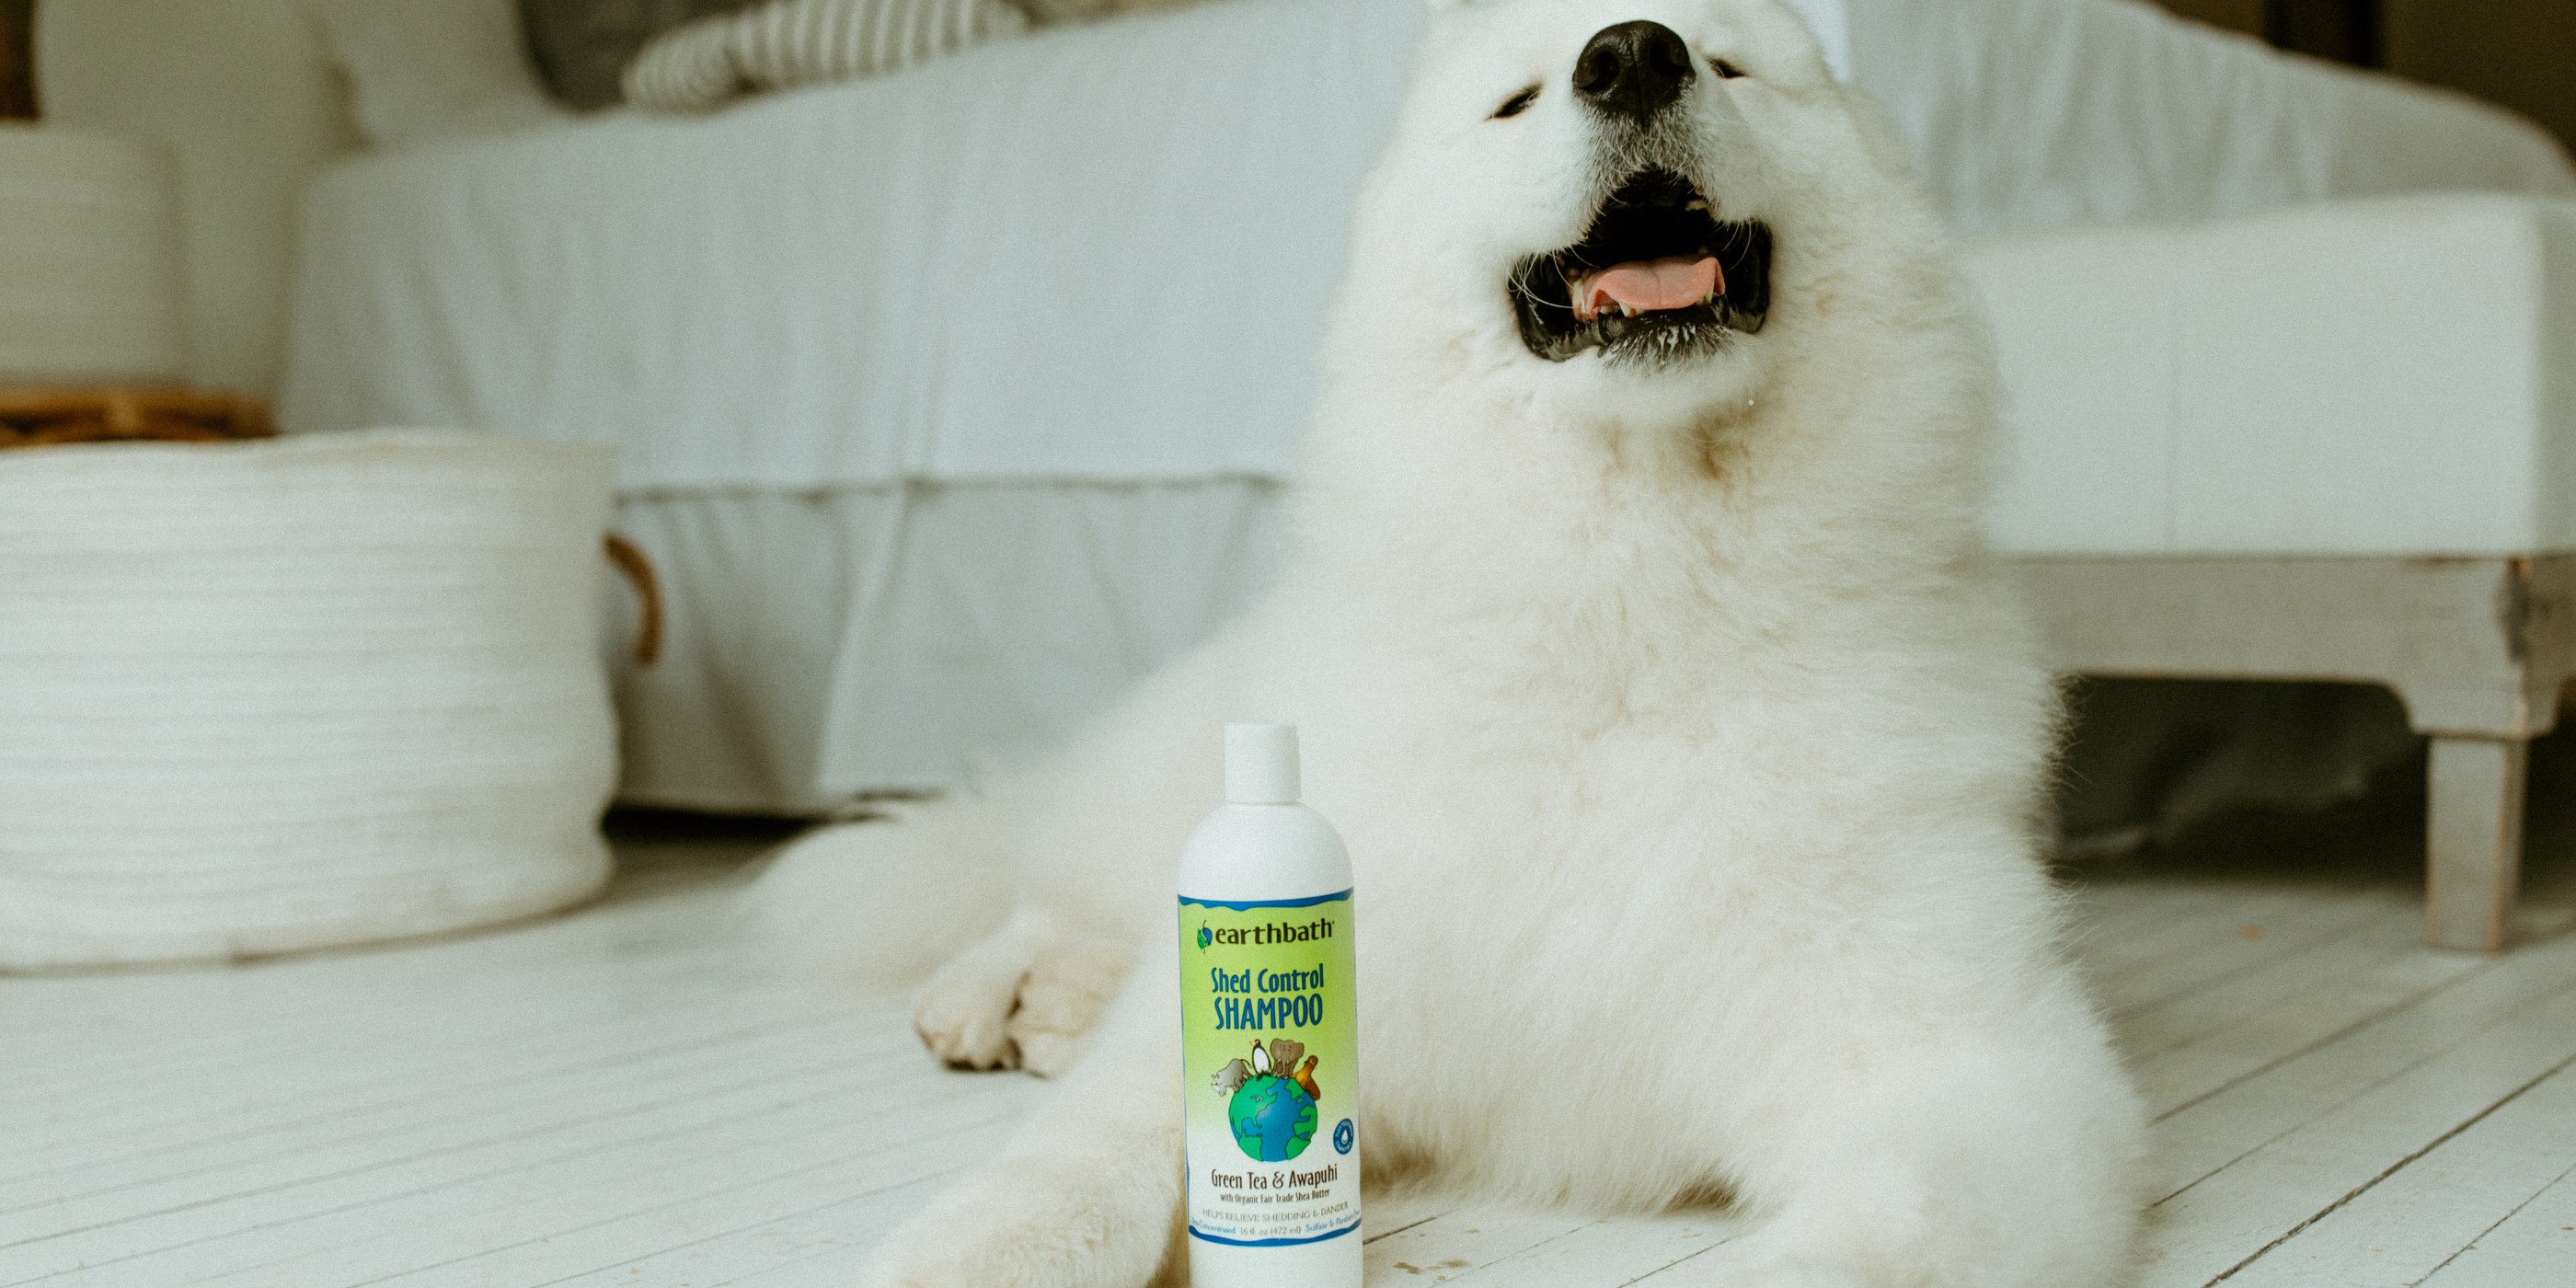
(1270, 1100)
(1205, 935)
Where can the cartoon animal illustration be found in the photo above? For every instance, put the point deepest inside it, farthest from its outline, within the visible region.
(1270, 1099)
(1230, 1077)
(1284, 1055)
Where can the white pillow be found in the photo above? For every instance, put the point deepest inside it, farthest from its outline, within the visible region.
(426, 71)
(801, 42)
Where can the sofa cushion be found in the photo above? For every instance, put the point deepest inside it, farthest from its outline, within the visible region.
(2390, 375)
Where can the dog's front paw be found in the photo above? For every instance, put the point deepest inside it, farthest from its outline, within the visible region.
(1061, 998)
(964, 1015)
(1024, 998)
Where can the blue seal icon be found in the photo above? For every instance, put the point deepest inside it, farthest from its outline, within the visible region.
(1342, 1137)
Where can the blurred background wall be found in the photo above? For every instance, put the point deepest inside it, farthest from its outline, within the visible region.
(251, 104)
(2521, 53)
(243, 112)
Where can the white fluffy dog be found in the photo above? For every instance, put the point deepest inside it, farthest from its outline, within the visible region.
(1646, 653)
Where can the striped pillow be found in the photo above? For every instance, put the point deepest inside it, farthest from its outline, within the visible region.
(800, 42)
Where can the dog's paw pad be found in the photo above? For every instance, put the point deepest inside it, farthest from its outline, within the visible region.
(964, 1016)
(1060, 999)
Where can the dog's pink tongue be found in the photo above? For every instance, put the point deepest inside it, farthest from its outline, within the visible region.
(1643, 286)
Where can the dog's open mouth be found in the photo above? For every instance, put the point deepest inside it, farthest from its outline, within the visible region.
(1659, 276)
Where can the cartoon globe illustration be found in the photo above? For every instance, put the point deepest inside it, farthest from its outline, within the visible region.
(1273, 1118)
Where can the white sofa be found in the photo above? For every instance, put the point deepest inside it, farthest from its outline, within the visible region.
(2329, 440)
(2332, 442)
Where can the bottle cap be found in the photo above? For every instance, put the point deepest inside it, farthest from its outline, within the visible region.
(1260, 763)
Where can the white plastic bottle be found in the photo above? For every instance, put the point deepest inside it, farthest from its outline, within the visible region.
(1274, 1162)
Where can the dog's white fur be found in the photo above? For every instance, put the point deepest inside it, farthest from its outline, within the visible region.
(1684, 739)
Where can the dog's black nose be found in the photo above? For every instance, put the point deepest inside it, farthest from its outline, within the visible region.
(1634, 69)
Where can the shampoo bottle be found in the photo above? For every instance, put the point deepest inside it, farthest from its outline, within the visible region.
(1269, 1046)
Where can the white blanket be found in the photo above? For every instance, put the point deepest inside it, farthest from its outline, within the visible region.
(1105, 252)
(1102, 253)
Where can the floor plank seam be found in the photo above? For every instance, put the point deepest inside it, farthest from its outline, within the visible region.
(373, 1108)
(771, 1220)
(2149, 1050)
(378, 1200)
(2499, 1222)
(1661, 1269)
(2410, 1001)
(485, 1142)
(2394, 1168)
(2292, 947)
(472, 1063)
(223, 1050)
(593, 1102)
(628, 1216)
(966, 1097)
(1372, 1238)
(2133, 1013)
(2391, 1076)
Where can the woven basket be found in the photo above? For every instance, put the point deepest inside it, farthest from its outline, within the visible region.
(269, 696)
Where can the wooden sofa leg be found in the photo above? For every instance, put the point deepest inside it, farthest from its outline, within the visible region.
(2473, 840)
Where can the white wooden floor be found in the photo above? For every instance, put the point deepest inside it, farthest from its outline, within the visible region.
(605, 1099)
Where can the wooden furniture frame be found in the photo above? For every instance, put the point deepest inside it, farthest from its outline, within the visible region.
(39, 415)
(18, 60)
(2475, 647)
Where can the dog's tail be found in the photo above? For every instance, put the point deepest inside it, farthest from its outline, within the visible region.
(877, 905)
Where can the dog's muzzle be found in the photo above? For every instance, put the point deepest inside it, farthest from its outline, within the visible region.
(1658, 277)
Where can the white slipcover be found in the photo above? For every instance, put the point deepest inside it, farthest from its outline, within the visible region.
(948, 399)
(1105, 252)
(2380, 376)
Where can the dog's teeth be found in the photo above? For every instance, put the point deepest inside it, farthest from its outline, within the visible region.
(1697, 203)
(1627, 310)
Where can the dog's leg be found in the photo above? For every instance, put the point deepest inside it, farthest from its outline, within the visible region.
(1094, 852)
(1022, 997)
(1089, 1194)
(877, 905)
(1992, 1164)
(964, 1015)
(1063, 995)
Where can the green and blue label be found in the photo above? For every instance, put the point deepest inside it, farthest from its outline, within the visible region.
(1270, 1057)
